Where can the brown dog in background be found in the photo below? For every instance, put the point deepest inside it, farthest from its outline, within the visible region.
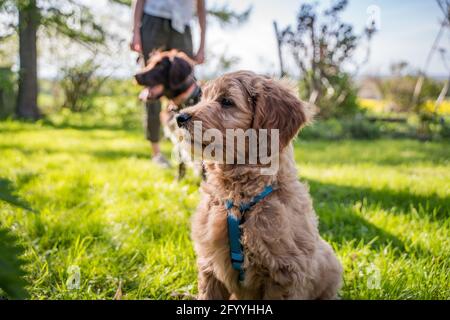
(285, 257)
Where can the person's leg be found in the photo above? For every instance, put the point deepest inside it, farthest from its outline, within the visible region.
(155, 148)
(154, 36)
(153, 109)
(153, 125)
(153, 129)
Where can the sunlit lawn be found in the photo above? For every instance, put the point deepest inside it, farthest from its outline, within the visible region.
(90, 197)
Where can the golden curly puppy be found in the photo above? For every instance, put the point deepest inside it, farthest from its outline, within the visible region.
(281, 254)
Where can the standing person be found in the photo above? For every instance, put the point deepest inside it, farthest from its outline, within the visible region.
(165, 25)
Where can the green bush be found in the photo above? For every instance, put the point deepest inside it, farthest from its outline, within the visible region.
(331, 129)
(340, 100)
(445, 130)
(114, 104)
(360, 128)
(357, 127)
(80, 84)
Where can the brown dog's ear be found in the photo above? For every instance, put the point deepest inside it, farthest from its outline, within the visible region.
(180, 69)
(277, 107)
(184, 56)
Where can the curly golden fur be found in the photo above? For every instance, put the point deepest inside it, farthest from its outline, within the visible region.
(285, 257)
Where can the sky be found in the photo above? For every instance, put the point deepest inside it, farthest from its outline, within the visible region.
(407, 31)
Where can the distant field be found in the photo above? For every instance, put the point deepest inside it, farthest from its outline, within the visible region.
(90, 198)
(380, 106)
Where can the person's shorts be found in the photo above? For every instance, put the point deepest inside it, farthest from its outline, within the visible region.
(157, 33)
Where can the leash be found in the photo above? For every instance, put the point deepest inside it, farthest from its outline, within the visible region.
(235, 232)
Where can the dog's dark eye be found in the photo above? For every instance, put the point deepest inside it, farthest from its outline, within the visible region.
(226, 103)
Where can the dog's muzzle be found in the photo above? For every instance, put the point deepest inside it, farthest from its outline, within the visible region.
(182, 119)
(139, 78)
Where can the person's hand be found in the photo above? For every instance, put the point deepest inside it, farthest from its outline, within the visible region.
(136, 43)
(200, 56)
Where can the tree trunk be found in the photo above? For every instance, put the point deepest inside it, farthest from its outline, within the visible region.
(28, 85)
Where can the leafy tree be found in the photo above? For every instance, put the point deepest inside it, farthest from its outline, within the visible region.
(79, 84)
(426, 117)
(70, 18)
(444, 6)
(322, 44)
(26, 18)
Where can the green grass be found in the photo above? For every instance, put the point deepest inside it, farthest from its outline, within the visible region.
(89, 197)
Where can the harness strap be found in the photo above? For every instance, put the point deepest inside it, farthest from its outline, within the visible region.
(247, 206)
(234, 238)
(235, 232)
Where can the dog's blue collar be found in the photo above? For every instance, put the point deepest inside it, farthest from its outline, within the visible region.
(234, 229)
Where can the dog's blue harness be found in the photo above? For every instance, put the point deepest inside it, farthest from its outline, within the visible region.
(235, 232)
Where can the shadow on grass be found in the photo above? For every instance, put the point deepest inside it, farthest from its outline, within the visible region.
(44, 123)
(8, 193)
(436, 207)
(346, 227)
(338, 221)
(120, 154)
(92, 126)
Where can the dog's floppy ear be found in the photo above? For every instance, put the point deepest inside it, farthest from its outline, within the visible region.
(180, 69)
(277, 107)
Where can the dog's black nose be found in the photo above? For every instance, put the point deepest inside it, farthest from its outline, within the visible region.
(183, 118)
(138, 78)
